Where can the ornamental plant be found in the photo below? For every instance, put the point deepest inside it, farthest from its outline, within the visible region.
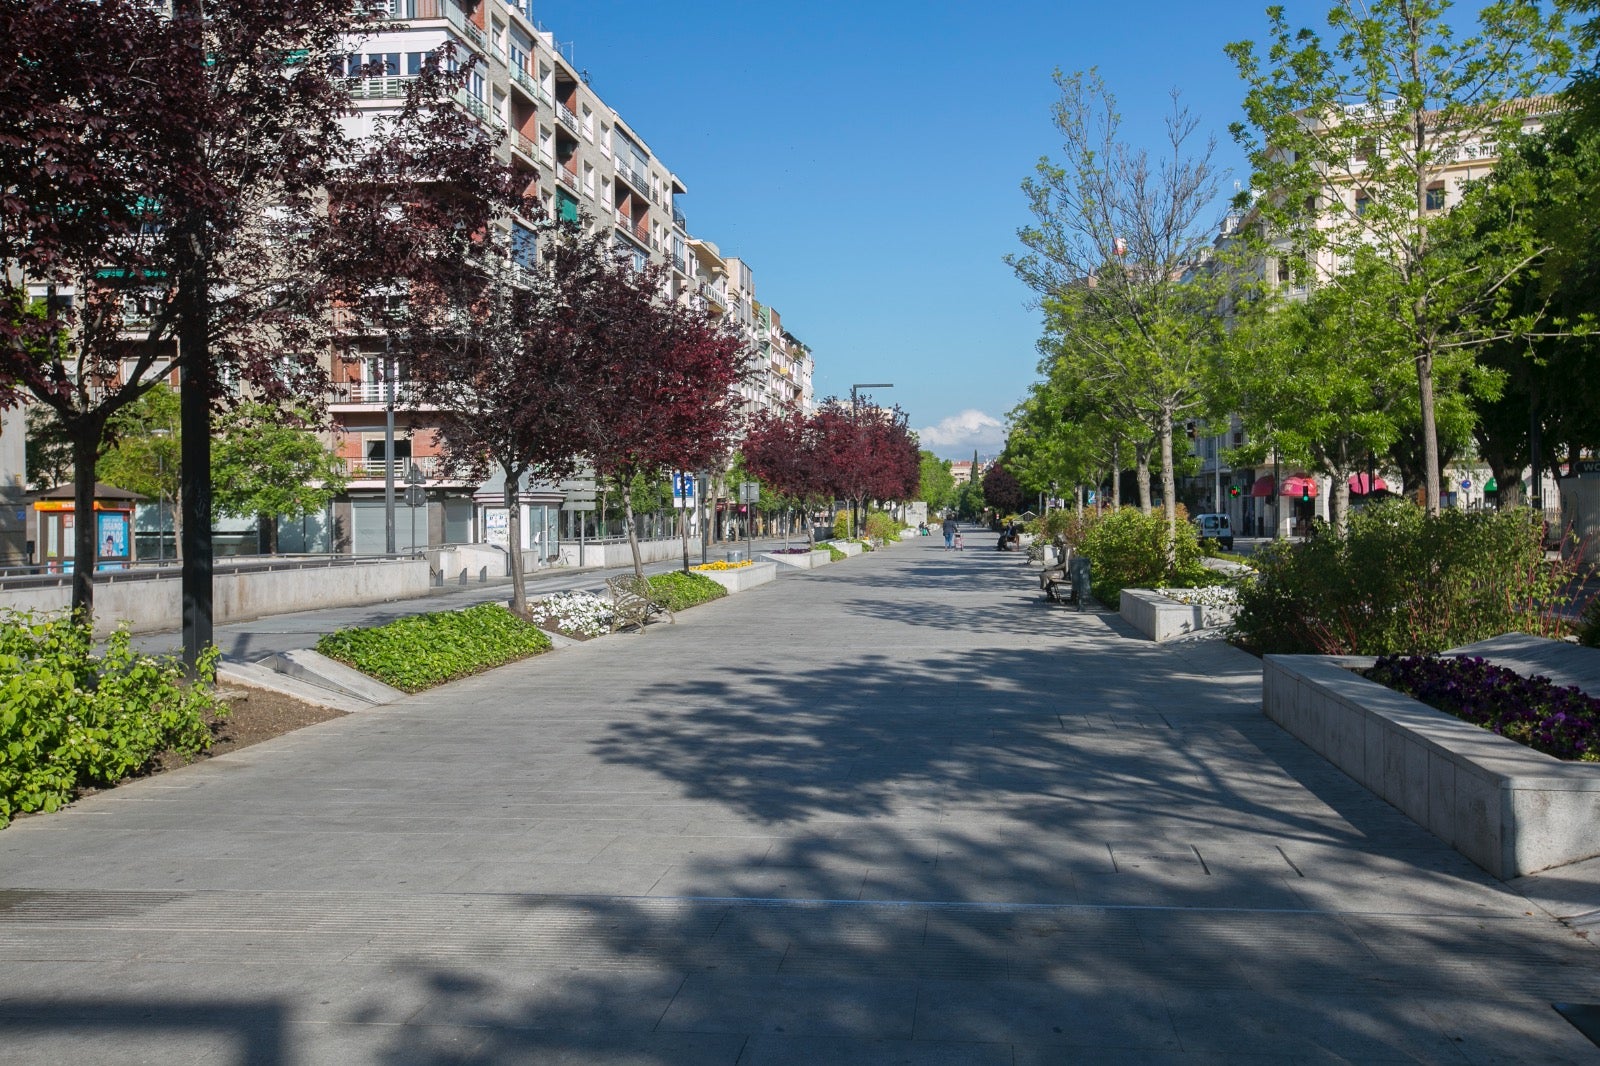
(881, 526)
(1128, 549)
(429, 649)
(723, 564)
(679, 590)
(1402, 582)
(834, 553)
(576, 614)
(70, 718)
(1557, 720)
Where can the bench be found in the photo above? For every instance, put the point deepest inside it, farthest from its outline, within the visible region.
(634, 604)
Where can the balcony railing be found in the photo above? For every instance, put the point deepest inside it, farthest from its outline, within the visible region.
(678, 219)
(407, 10)
(480, 111)
(389, 88)
(714, 295)
(568, 119)
(678, 263)
(525, 82)
(375, 468)
(373, 392)
(632, 177)
(569, 178)
(526, 147)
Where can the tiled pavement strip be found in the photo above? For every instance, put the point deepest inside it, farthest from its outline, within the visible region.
(893, 810)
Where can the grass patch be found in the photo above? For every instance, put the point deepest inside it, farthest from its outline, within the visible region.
(412, 654)
(834, 554)
(679, 590)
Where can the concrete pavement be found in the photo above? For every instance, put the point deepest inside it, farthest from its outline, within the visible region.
(892, 810)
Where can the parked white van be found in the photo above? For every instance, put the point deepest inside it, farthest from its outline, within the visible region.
(1215, 527)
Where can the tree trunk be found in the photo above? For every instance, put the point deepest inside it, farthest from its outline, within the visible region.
(513, 502)
(1169, 493)
(1339, 505)
(626, 488)
(1141, 456)
(267, 533)
(85, 451)
(1116, 475)
(683, 526)
(1430, 433)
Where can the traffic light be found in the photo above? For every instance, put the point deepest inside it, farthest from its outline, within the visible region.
(1305, 492)
(1189, 428)
(1233, 491)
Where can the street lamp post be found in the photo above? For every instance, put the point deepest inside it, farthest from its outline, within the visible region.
(388, 449)
(161, 496)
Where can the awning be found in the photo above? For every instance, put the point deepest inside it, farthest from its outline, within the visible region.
(1299, 485)
(1358, 485)
(1292, 486)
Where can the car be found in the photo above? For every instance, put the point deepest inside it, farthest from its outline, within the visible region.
(1215, 527)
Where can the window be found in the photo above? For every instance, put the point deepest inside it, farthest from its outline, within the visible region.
(1435, 197)
(566, 206)
(605, 140)
(414, 62)
(1363, 202)
(588, 180)
(588, 122)
(524, 246)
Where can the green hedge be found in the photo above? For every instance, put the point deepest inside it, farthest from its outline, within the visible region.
(70, 718)
(424, 650)
(1403, 583)
(1126, 549)
(679, 590)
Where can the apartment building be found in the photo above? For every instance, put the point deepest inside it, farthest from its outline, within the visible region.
(583, 162)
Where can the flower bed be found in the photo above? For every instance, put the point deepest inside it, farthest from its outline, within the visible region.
(1161, 614)
(1557, 720)
(722, 564)
(573, 614)
(1508, 808)
(788, 551)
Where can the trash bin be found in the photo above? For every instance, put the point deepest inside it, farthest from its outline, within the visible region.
(1078, 571)
(735, 555)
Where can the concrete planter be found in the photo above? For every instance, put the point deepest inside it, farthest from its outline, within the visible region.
(1508, 808)
(849, 547)
(1160, 618)
(746, 577)
(802, 561)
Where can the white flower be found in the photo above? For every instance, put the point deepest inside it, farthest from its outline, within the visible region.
(576, 612)
(1209, 596)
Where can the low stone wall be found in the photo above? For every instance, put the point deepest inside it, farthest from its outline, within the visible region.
(152, 602)
(802, 560)
(849, 547)
(610, 554)
(1508, 808)
(746, 577)
(1160, 618)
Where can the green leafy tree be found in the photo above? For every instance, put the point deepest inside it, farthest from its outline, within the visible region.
(264, 463)
(936, 486)
(1348, 136)
(1115, 254)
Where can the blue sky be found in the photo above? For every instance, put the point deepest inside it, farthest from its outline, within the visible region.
(866, 159)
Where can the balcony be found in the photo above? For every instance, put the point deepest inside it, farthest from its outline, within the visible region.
(375, 468)
(569, 178)
(568, 119)
(524, 81)
(372, 393)
(678, 219)
(633, 177)
(429, 10)
(480, 111)
(713, 294)
(526, 148)
(377, 88)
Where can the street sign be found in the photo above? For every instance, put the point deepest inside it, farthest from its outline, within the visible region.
(414, 476)
(750, 492)
(416, 496)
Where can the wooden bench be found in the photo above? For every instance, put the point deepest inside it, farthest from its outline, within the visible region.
(634, 604)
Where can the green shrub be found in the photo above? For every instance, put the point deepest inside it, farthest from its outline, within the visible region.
(1126, 548)
(680, 590)
(841, 525)
(1403, 583)
(834, 554)
(881, 526)
(69, 718)
(429, 649)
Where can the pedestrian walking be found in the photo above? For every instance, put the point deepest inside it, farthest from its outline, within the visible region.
(951, 535)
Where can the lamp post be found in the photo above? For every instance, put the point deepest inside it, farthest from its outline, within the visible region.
(388, 448)
(161, 496)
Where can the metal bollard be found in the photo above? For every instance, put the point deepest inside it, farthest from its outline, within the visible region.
(483, 575)
(463, 578)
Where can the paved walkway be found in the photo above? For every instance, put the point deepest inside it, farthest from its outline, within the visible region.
(892, 810)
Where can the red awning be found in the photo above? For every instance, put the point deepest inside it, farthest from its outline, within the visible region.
(1358, 485)
(1262, 486)
(1299, 485)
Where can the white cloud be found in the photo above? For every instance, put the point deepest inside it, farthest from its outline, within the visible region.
(957, 436)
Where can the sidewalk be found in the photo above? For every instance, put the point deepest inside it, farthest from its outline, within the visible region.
(891, 810)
